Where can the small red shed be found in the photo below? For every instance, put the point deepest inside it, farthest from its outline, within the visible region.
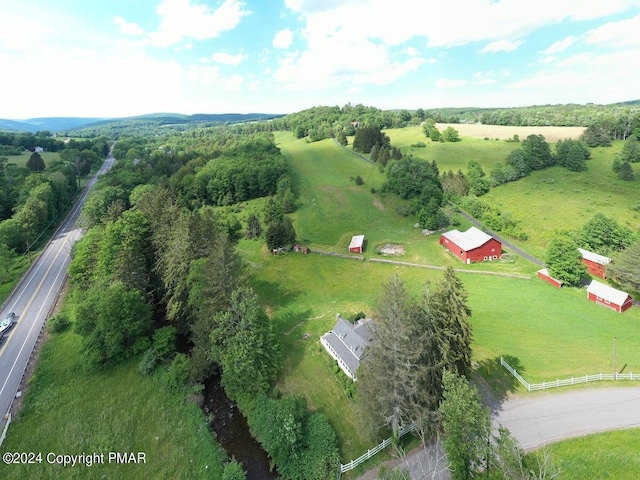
(357, 244)
(596, 264)
(609, 297)
(472, 246)
(544, 275)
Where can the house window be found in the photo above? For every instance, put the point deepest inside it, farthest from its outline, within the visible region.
(607, 302)
(486, 258)
(495, 257)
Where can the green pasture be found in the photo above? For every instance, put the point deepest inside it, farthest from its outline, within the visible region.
(70, 411)
(331, 208)
(555, 199)
(610, 455)
(451, 156)
(21, 160)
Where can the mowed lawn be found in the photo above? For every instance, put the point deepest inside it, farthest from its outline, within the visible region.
(612, 455)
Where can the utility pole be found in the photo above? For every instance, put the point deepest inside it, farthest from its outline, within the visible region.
(614, 358)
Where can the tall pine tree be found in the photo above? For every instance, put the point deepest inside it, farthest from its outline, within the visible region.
(452, 312)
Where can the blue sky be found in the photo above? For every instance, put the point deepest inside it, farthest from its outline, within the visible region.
(110, 58)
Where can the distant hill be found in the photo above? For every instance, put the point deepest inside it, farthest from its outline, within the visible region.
(52, 124)
(65, 124)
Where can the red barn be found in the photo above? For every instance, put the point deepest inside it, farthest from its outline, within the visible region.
(609, 297)
(544, 275)
(357, 244)
(472, 246)
(596, 264)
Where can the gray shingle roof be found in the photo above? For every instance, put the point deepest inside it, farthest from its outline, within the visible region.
(349, 341)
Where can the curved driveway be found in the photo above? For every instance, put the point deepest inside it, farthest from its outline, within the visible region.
(541, 419)
(33, 299)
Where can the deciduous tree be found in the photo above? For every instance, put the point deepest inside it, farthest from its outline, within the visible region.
(466, 427)
(564, 260)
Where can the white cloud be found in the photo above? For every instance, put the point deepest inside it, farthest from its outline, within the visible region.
(412, 51)
(580, 58)
(624, 33)
(484, 78)
(560, 46)
(283, 39)
(128, 28)
(501, 46)
(228, 59)
(445, 83)
(181, 19)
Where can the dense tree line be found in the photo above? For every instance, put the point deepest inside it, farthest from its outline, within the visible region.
(535, 154)
(154, 248)
(419, 182)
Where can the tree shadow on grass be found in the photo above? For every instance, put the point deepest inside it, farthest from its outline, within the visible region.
(495, 383)
(273, 294)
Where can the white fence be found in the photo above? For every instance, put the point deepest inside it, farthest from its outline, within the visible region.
(372, 451)
(568, 381)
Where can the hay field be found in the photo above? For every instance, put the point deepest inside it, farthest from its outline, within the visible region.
(503, 132)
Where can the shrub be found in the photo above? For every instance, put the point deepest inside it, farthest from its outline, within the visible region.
(58, 323)
(149, 362)
(418, 144)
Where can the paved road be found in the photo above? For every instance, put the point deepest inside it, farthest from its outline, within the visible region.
(33, 298)
(541, 419)
(500, 238)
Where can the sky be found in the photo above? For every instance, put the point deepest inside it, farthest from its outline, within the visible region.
(117, 58)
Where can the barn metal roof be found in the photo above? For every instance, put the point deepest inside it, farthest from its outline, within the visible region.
(594, 257)
(356, 241)
(472, 238)
(606, 292)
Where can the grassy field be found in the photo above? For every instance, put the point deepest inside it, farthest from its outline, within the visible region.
(21, 160)
(504, 132)
(545, 333)
(451, 156)
(556, 198)
(68, 411)
(611, 455)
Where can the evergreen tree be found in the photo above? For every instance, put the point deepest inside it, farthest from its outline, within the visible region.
(394, 375)
(452, 314)
(280, 234)
(254, 229)
(576, 160)
(35, 163)
(342, 138)
(625, 172)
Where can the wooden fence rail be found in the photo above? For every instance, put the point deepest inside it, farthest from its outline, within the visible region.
(372, 451)
(531, 387)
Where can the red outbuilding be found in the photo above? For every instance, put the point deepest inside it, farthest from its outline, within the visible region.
(596, 264)
(357, 244)
(472, 246)
(609, 297)
(544, 275)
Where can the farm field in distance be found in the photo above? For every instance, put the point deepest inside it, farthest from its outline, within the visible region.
(546, 333)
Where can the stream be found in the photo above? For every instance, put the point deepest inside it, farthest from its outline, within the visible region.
(233, 433)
